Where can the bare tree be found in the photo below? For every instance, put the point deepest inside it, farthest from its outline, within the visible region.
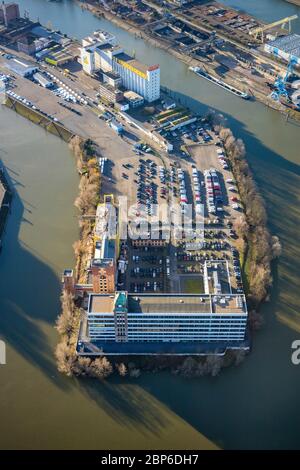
(122, 369)
(64, 358)
(276, 247)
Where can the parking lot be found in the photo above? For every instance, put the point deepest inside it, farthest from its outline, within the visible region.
(196, 174)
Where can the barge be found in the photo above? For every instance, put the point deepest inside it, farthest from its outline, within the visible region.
(202, 73)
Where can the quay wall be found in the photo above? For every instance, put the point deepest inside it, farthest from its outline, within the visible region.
(36, 117)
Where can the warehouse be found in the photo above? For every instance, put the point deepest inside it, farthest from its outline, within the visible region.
(22, 67)
(42, 80)
(286, 47)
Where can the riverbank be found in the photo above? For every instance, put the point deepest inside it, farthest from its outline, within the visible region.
(5, 202)
(259, 247)
(294, 2)
(101, 12)
(157, 411)
(87, 207)
(257, 252)
(37, 118)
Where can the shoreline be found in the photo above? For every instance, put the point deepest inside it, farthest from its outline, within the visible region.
(101, 12)
(294, 2)
(69, 362)
(38, 118)
(99, 366)
(6, 196)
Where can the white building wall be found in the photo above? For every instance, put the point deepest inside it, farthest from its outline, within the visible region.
(280, 53)
(87, 60)
(153, 85)
(148, 88)
(94, 58)
(171, 327)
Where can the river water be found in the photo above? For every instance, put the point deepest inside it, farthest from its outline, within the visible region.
(253, 405)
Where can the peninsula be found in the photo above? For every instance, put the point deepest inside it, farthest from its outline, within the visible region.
(174, 254)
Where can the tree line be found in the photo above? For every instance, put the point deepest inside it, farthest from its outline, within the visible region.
(260, 247)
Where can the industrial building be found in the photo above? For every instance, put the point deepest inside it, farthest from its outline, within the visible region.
(110, 94)
(30, 44)
(9, 12)
(124, 317)
(42, 80)
(134, 99)
(112, 79)
(285, 47)
(22, 67)
(98, 54)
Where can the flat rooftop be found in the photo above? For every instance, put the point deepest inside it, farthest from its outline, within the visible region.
(132, 96)
(172, 303)
(133, 62)
(111, 74)
(107, 46)
(108, 248)
(105, 220)
(101, 303)
(289, 44)
(168, 303)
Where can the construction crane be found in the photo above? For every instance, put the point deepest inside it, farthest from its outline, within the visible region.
(256, 32)
(281, 82)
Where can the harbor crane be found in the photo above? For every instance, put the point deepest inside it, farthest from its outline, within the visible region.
(259, 32)
(280, 89)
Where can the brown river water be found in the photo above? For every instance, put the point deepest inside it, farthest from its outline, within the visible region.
(255, 405)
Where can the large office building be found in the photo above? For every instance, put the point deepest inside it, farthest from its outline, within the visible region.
(133, 318)
(166, 323)
(101, 53)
